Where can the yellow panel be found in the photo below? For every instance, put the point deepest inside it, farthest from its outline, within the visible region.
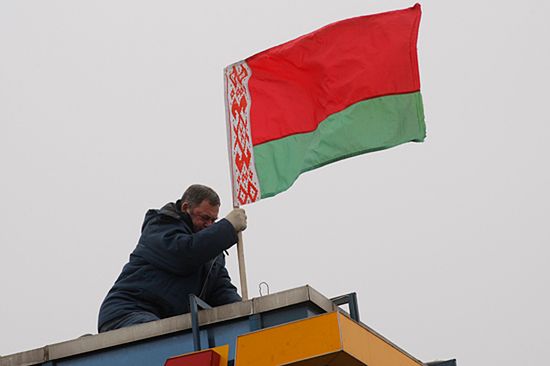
(369, 348)
(290, 342)
(223, 351)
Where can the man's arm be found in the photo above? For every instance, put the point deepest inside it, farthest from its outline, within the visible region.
(174, 248)
(222, 290)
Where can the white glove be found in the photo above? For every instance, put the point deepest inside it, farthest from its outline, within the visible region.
(237, 218)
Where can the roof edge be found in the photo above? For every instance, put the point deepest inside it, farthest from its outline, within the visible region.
(161, 327)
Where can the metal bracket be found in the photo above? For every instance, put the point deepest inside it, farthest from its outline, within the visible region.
(194, 303)
(351, 300)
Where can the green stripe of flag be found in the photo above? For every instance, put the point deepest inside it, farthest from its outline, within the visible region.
(367, 126)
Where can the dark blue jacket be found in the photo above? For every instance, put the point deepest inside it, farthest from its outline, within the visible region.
(169, 263)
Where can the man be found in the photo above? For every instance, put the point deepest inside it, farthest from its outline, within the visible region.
(180, 252)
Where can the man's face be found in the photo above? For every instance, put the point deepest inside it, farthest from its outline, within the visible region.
(202, 215)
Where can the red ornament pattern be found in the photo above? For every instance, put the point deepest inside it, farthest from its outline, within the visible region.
(246, 187)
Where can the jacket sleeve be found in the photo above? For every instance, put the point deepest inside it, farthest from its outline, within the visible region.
(222, 292)
(171, 246)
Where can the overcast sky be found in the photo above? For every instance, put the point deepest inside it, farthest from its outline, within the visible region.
(109, 108)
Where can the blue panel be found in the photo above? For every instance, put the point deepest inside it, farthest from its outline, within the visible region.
(290, 314)
(255, 322)
(155, 351)
(150, 352)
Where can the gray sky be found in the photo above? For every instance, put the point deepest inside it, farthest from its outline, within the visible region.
(108, 108)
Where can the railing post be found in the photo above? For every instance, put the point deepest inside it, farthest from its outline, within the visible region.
(194, 304)
(351, 300)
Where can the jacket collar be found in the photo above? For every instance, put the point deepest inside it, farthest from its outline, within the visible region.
(173, 210)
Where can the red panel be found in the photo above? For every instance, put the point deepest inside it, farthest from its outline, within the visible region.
(297, 85)
(203, 358)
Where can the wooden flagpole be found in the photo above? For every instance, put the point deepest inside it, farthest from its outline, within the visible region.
(242, 268)
(240, 257)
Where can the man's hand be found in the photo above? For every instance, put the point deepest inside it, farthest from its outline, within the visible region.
(237, 218)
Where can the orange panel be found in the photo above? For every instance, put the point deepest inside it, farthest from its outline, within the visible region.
(325, 340)
(371, 349)
(290, 342)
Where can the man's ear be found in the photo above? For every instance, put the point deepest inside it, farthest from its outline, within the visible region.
(184, 206)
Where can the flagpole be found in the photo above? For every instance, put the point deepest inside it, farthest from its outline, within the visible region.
(240, 258)
(242, 268)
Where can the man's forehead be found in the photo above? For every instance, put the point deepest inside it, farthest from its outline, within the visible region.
(207, 206)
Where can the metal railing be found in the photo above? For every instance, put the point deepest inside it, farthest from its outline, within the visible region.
(351, 300)
(194, 304)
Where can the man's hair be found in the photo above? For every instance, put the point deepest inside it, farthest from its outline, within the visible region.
(196, 193)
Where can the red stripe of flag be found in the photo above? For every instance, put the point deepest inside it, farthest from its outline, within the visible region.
(297, 85)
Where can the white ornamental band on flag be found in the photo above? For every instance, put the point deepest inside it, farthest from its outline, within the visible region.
(246, 187)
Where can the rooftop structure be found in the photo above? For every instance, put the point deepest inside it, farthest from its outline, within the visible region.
(298, 326)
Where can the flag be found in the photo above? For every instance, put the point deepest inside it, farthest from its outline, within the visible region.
(349, 88)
